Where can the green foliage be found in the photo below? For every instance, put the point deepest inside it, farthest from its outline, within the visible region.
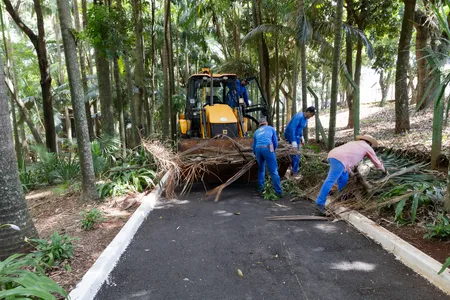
(104, 150)
(268, 192)
(123, 182)
(425, 194)
(28, 178)
(18, 282)
(445, 265)
(440, 229)
(107, 30)
(52, 168)
(53, 252)
(90, 218)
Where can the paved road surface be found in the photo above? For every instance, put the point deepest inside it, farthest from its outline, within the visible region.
(191, 249)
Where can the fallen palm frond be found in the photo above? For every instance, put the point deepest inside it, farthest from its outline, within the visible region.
(409, 186)
(207, 160)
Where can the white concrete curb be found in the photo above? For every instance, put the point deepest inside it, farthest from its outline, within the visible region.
(418, 261)
(98, 273)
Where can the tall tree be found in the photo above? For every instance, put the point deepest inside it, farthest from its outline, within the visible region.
(60, 81)
(335, 73)
(263, 56)
(39, 44)
(119, 98)
(423, 38)
(76, 94)
(302, 44)
(401, 75)
(13, 207)
(101, 35)
(152, 102)
(81, 47)
(166, 66)
(139, 64)
(7, 50)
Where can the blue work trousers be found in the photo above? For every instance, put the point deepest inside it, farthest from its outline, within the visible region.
(263, 156)
(295, 159)
(337, 173)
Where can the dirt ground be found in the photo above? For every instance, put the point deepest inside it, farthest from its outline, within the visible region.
(56, 209)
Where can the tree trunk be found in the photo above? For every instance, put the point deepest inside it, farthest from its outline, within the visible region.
(401, 75)
(173, 126)
(349, 65)
(152, 103)
(263, 55)
(436, 145)
(335, 73)
(304, 86)
(83, 71)
(9, 65)
(139, 64)
(39, 44)
(236, 34)
(294, 85)
(60, 81)
(423, 71)
(104, 90)
(25, 112)
(277, 82)
(135, 138)
(76, 94)
(13, 207)
(165, 65)
(384, 85)
(120, 104)
(356, 90)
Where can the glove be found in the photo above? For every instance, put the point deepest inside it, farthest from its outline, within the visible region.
(294, 145)
(302, 141)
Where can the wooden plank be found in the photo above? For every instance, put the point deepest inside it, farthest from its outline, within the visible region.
(297, 218)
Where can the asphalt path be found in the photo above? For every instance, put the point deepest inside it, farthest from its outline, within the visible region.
(193, 248)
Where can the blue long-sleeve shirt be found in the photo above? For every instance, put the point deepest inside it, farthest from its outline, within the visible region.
(264, 136)
(242, 91)
(294, 129)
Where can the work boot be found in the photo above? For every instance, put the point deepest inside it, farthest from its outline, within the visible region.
(321, 209)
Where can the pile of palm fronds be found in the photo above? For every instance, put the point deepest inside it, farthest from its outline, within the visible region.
(410, 188)
(205, 159)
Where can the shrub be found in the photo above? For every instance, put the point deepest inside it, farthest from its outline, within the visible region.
(55, 251)
(90, 218)
(123, 182)
(440, 229)
(18, 282)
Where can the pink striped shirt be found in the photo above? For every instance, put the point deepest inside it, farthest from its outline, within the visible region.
(353, 152)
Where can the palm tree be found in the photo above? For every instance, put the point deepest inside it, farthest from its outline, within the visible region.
(401, 75)
(166, 66)
(13, 207)
(335, 73)
(76, 92)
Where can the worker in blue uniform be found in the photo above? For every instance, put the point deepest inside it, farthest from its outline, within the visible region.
(236, 92)
(294, 134)
(265, 143)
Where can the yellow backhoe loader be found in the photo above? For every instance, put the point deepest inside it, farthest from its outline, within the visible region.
(214, 109)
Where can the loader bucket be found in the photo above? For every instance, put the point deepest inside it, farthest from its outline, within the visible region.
(225, 157)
